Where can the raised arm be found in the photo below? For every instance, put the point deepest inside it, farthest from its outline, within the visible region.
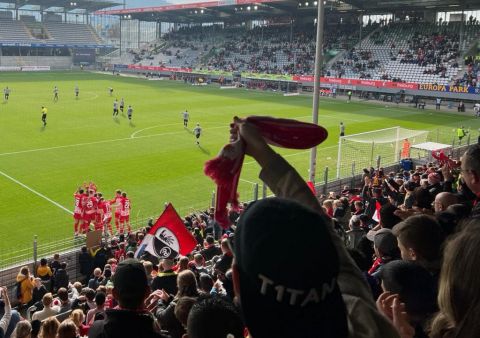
(5, 320)
(285, 182)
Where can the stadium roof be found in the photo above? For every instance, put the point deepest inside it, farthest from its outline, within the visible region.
(72, 5)
(210, 11)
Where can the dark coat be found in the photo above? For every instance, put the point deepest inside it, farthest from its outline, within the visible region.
(61, 279)
(475, 213)
(210, 252)
(167, 319)
(165, 280)
(86, 264)
(124, 323)
(38, 293)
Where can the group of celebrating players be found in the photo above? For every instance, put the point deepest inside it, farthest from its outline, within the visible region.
(92, 208)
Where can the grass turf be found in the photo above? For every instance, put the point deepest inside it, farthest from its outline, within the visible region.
(154, 159)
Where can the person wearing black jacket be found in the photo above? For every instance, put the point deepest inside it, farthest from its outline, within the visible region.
(211, 249)
(38, 291)
(86, 264)
(470, 169)
(224, 263)
(371, 199)
(166, 278)
(99, 257)
(61, 277)
(55, 263)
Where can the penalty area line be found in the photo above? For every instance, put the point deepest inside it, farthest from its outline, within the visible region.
(36, 192)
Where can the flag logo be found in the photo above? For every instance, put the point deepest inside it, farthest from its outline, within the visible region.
(165, 243)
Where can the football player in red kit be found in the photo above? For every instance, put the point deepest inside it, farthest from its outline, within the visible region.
(125, 213)
(90, 186)
(78, 210)
(89, 214)
(106, 211)
(98, 224)
(116, 202)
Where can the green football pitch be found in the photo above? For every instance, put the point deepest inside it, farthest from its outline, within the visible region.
(153, 158)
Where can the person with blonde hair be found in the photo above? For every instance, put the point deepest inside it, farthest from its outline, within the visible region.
(459, 292)
(48, 309)
(328, 207)
(27, 284)
(22, 330)
(77, 316)
(67, 329)
(49, 328)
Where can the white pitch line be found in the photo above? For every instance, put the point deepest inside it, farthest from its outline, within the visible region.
(91, 98)
(247, 181)
(162, 125)
(97, 142)
(36, 192)
(158, 125)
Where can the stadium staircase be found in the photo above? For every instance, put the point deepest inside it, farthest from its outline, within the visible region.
(369, 30)
(36, 30)
(95, 35)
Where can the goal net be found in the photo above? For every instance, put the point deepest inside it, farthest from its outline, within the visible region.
(359, 151)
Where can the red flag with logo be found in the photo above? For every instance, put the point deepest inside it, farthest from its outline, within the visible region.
(376, 214)
(168, 237)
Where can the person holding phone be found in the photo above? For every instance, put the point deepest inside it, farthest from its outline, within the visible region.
(5, 320)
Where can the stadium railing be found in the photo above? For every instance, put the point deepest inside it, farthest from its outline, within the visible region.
(12, 259)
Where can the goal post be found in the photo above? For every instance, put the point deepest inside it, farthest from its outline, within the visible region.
(363, 149)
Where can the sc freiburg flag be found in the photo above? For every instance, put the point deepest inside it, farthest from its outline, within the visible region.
(168, 237)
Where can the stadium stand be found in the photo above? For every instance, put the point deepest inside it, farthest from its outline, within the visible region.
(14, 31)
(270, 49)
(402, 52)
(71, 33)
(408, 52)
(470, 76)
(30, 31)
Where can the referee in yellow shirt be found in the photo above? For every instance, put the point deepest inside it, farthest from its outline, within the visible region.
(44, 116)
